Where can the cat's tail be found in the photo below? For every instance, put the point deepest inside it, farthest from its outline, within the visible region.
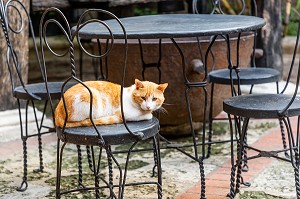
(98, 121)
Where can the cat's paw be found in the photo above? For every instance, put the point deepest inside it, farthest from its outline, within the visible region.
(146, 117)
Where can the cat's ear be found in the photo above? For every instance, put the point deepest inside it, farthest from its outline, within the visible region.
(138, 84)
(162, 87)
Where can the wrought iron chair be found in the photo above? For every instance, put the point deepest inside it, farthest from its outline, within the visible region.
(23, 92)
(244, 76)
(267, 106)
(102, 137)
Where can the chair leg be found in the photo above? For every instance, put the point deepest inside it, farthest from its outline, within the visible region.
(24, 183)
(126, 168)
(59, 156)
(110, 169)
(157, 162)
(231, 193)
(236, 168)
(96, 173)
(241, 147)
(245, 167)
(39, 136)
(238, 122)
(95, 168)
(24, 136)
(294, 151)
(297, 162)
(110, 183)
(41, 169)
(202, 177)
(79, 165)
(283, 138)
(210, 121)
(88, 151)
(297, 182)
(282, 128)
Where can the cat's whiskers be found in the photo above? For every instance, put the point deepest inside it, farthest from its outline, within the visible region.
(162, 110)
(167, 104)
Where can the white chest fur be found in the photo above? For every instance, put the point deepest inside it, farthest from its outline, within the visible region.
(132, 111)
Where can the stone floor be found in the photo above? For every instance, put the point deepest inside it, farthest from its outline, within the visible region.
(269, 178)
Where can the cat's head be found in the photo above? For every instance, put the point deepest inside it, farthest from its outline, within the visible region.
(148, 95)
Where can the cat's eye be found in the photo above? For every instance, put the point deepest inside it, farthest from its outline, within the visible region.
(143, 98)
(154, 99)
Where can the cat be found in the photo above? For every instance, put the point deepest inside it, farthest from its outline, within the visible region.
(139, 101)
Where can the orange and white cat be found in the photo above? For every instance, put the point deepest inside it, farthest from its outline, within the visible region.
(139, 101)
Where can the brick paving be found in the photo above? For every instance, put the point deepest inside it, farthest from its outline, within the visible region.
(217, 181)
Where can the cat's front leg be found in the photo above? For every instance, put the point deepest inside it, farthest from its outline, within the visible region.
(147, 116)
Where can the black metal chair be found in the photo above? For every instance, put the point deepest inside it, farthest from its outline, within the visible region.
(244, 76)
(267, 106)
(105, 136)
(23, 92)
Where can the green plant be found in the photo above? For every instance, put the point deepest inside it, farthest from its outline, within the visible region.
(139, 10)
(235, 6)
(291, 18)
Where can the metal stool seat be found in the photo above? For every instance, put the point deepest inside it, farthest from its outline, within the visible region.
(261, 105)
(112, 134)
(247, 76)
(38, 90)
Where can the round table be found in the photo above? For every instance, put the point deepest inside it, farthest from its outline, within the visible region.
(174, 26)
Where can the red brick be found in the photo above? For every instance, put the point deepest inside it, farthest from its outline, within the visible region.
(189, 196)
(217, 183)
(217, 191)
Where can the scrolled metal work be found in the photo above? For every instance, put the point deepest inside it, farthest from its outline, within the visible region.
(222, 7)
(97, 138)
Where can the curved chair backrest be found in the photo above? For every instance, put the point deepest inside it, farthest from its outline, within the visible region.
(238, 7)
(12, 31)
(291, 71)
(73, 35)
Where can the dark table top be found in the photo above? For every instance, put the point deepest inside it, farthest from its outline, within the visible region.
(174, 26)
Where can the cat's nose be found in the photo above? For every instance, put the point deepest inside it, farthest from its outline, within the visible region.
(148, 107)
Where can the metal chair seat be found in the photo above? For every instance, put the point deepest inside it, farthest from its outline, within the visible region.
(112, 134)
(39, 90)
(248, 76)
(261, 105)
